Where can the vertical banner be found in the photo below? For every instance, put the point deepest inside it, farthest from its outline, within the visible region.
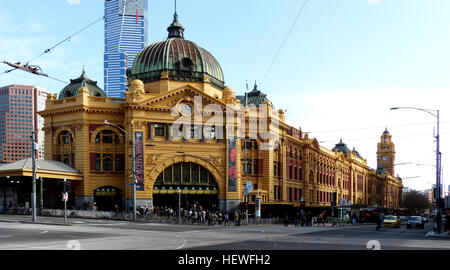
(139, 152)
(232, 164)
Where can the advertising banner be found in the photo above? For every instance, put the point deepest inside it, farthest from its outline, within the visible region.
(232, 162)
(139, 152)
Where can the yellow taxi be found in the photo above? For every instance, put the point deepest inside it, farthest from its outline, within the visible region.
(391, 222)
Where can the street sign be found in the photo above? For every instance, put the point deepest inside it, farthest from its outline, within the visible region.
(65, 197)
(249, 187)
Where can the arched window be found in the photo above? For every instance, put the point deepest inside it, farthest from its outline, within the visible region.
(107, 136)
(64, 148)
(109, 154)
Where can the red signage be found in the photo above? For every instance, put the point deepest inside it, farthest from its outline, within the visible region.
(139, 152)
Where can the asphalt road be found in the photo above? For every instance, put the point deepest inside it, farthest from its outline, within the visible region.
(141, 236)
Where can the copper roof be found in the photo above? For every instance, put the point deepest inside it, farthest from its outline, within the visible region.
(182, 59)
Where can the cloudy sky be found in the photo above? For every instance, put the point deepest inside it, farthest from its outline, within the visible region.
(337, 73)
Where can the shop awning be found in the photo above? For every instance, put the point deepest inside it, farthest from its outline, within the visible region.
(44, 168)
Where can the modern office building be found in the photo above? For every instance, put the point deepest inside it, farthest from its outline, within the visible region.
(19, 105)
(125, 37)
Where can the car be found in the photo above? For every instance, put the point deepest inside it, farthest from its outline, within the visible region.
(403, 219)
(415, 221)
(392, 222)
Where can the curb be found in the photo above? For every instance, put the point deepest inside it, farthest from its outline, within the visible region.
(39, 223)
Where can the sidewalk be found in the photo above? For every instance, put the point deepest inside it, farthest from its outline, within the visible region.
(444, 235)
(46, 220)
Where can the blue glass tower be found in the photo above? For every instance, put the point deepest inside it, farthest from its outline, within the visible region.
(125, 37)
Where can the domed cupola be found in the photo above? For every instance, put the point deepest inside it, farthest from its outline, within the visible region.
(255, 97)
(82, 81)
(341, 147)
(180, 59)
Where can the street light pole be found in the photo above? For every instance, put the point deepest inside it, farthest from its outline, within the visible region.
(438, 153)
(134, 168)
(33, 159)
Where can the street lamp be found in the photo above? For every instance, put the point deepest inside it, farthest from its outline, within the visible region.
(438, 153)
(134, 169)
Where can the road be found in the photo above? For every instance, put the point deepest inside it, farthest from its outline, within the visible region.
(111, 235)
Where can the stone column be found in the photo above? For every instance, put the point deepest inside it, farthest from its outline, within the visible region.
(150, 131)
(169, 132)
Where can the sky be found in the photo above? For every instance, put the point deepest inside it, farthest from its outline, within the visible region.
(336, 71)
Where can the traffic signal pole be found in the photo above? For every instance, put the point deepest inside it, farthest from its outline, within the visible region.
(65, 202)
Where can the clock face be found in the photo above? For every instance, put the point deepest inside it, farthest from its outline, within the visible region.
(385, 158)
(186, 109)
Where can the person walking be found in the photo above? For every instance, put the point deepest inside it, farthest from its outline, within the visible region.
(322, 219)
(382, 219)
(309, 219)
(378, 219)
(94, 209)
(297, 219)
(302, 218)
(226, 219)
(286, 220)
(438, 221)
(447, 223)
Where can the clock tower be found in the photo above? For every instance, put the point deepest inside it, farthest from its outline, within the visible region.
(386, 153)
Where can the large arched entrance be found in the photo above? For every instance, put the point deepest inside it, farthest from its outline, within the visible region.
(107, 197)
(188, 182)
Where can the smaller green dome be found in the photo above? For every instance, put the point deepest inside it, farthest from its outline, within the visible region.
(341, 147)
(82, 81)
(255, 97)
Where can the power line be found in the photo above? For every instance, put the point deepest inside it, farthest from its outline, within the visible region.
(66, 39)
(284, 41)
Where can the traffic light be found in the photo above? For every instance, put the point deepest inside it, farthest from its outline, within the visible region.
(68, 186)
(302, 204)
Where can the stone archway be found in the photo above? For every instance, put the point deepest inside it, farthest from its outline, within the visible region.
(161, 166)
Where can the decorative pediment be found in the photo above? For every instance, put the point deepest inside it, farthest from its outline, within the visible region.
(185, 94)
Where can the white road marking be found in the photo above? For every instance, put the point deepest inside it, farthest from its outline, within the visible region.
(43, 232)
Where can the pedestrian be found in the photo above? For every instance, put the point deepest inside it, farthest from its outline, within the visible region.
(353, 218)
(236, 219)
(382, 219)
(297, 219)
(447, 223)
(438, 221)
(94, 209)
(286, 220)
(302, 218)
(378, 219)
(116, 209)
(322, 218)
(309, 219)
(226, 219)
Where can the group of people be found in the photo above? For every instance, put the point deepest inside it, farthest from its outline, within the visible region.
(303, 219)
(192, 213)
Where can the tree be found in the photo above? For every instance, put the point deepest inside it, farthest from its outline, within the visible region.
(415, 201)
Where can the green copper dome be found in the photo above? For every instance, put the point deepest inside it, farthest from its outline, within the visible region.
(82, 81)
(255, 97)
(341, 147)
(183, 60)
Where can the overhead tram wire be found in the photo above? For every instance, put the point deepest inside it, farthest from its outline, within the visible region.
(26, 66)
(284, 41)
(66, 39)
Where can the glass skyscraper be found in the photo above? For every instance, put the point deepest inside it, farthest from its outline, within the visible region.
(125, 37)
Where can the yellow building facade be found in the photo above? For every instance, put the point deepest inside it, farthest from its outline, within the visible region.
(192, 135)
